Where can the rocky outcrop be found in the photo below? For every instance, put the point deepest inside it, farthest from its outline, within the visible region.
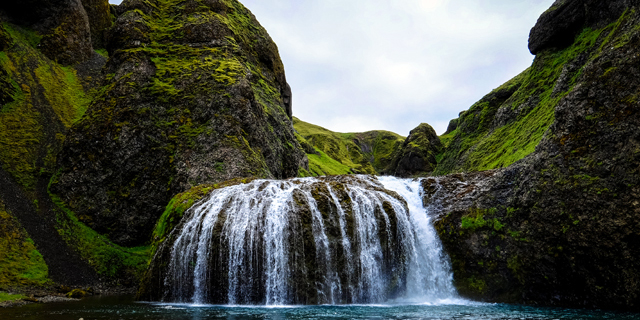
(558, 26)
(100, 20)
(417, 156)
(560, 226)
(63, 25)
(194, 94)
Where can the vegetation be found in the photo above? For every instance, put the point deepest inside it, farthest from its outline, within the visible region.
(332, 153)
(10, 297)
(110, 260)
(20, 262)
(29, 136)
(487, 139)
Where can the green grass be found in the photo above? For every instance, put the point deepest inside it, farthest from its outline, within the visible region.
(10, 297)
(20, 262)
(323, 165)
(108, 259)
(476, 146)
(337, 153)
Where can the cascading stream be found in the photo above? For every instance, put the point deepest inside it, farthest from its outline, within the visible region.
(330, 240)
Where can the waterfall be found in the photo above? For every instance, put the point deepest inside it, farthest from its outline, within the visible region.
(330, 240)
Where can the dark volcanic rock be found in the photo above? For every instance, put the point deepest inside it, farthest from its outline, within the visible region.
(560, 227)
(453, 125)
(195, 94)
(418, 153)
(63, 24)
(100, 19)
(558, 26)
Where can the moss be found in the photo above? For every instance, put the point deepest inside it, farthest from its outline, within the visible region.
(103, 52)
(20, 262)
(332, 153)
(476, 145)
(28, 134)
(11, 297)
(475, 219)
(108, 259)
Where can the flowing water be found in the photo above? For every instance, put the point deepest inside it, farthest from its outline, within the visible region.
(259, 221)
(360, 243)
(116, 308)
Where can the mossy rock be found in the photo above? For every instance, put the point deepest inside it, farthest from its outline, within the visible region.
(417, 157)
(21, 265)
(559, 226)
(195, 94)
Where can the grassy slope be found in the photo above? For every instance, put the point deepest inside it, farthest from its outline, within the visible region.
(20, 262)
(346, 153)
(478, 144)
(29, 142)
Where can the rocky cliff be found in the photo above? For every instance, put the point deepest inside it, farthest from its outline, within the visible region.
(192, 90)
(194, 93)
(558, 227)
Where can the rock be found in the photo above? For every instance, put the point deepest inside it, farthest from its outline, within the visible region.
(63, 25)
(453, 125)
(194, 95)
(76, 294)
(558, 26)
(417, 156)
(100, 20)
(559, 227)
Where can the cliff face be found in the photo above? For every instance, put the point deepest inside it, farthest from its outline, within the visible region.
(195, 93)
(62, 24)
(560, 226)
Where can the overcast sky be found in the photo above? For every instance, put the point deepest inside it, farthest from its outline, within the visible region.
(358, 65)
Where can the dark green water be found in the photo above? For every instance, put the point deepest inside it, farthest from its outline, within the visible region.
(125, 308)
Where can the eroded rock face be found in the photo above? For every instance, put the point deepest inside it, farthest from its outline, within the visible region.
(560, 226)
(63, 24)
(100, 20)
(558, 26)
(418, 153)
(194, 94)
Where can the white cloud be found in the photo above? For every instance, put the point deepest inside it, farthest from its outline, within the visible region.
(393, 64)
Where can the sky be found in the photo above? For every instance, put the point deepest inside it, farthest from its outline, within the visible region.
(359, 65)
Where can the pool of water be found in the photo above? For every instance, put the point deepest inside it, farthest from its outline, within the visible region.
(123, 307)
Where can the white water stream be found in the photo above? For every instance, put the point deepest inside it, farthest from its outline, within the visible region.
(367, 247)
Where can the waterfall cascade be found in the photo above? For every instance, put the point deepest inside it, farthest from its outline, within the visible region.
(331, 240)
